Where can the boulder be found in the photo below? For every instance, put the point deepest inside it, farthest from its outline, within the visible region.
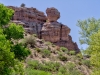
(52, 14)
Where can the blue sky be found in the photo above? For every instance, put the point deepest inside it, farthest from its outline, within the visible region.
(70, 10)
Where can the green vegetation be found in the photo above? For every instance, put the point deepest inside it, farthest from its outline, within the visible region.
(36, 72)
(64, 49)
(87, 28)
(62, 56)
(51, 68)
(87, 63)
(20, 51)
(45, 53)
(30, 40)
(9, 48)
(45, 59)
(90, 34)
(72, 52)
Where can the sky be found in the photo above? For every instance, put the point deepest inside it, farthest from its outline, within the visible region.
(71, 11)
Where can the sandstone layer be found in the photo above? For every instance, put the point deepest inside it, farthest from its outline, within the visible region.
(46, 27)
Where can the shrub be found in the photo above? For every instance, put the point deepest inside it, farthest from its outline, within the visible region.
(70, 66)
(75, 72)
(86, 62)
(30, 40)
(62, 57)
(36, 72)
(20, 51)
(62, 69)
(46, 66)
(52, 66)
(33, 64)
(49, 43)
(79, 55)
(63, 49)
(45, 53)
(22, 5)
(72, 52)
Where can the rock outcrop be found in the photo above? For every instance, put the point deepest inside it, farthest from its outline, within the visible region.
(46, 27)
(31, 19)
(52, 14)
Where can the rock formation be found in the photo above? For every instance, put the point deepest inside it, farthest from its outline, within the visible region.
(31, 19)
(46, 27)
(52, 14)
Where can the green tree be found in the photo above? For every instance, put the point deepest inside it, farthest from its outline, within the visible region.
(14, 31)
(6, 56)
(9, 49)
(94, 51)
(20, 51)
(90, 35)
(87, 28)
(5, 14)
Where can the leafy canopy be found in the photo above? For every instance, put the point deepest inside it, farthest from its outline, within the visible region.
(90, 35)
(94, 51)
(9, 50)
(5, 14)
(14, 31)
(87, 28)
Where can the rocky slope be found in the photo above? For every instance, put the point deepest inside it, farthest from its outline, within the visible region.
(49, 59)
(46, 27)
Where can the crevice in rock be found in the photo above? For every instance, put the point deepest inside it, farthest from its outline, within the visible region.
(40, 33)
(40, 37)
(37, 29)
(61, 32)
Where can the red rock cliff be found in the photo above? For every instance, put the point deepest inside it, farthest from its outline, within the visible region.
(46, 27)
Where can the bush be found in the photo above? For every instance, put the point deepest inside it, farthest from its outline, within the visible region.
(20, 51)
(62, 57)
(63, 49)
(45, 53)
(30, 40)
(71, 69)
(36, 72)
(62, 69)
(33, 64)
(72, 52)
(86, 62)
(22, 5)
(70, 66)
(79, 55)
(46, 66)
(75, 72)
(52, 66)
(49, 43)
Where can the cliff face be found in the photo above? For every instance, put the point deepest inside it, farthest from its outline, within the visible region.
(46, 27)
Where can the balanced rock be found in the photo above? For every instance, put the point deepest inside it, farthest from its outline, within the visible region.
(52, 14)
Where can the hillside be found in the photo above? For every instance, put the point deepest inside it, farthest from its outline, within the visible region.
(49, 59)
(34, 44)
(52, 50)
